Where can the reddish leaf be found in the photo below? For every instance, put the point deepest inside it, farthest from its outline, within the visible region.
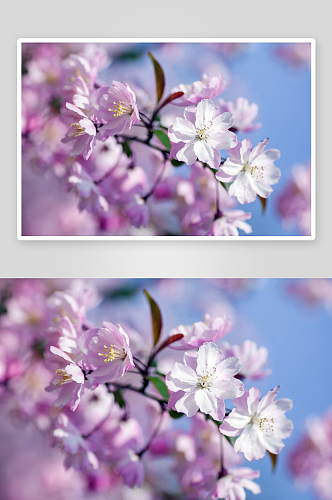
(263, 202)
(160, 78)
(157, 321)
(273, 460)
(169, 341)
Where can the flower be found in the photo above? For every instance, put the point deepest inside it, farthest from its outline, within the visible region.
(90, 193)
(294, 203)
(261, 423)
(82, 132)
(229, 223)
(209, 330)
(79, 454)
(252, 171)
(68, 380)
(201, 134)
(118, 108)
(231, 486)
(243, 112)
(207, 88)
(252, 359)
(109, 352)
(203, 382)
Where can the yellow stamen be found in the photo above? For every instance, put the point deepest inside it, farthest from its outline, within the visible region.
(64, 375)
(121, 108)
(110, 353)
(79, 130)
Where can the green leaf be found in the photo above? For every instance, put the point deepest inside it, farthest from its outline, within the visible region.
(157, 321)
(160, 386)
(176, 163)
(160, 78)
(163, 137)
(119, 399)
(263, 202)
(126, 149)
(273, 460)
(175, 414)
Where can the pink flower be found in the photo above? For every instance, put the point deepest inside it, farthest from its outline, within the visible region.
(251, 170)
(209, 330)
(201, 134)
(79, 454)
(118, 108)
(68, 380)
(294, 203)
(207, 88)
(252, 359)
(231, 486)
(91, 195)
(203, 382)
(229, 223)
(109, 353)
(131, 469)
(82, 133)
(261, 424)
(243, 112)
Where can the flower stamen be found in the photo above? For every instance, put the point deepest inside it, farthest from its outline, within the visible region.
(65, 377)
(110, 353)
(121, 108)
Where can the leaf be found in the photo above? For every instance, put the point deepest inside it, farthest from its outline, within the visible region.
(163, 137)
(169, 341)
(175, 414)
(157, 321)
(176, 163)
(160, 78)
(126, 149)
(160, 386)
(273, 460)
(263, 202)
(119, 399)
(170, 98)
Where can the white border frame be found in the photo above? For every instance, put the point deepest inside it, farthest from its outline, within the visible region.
(312, 41)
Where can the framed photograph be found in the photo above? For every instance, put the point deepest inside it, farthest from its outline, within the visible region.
(166, 139)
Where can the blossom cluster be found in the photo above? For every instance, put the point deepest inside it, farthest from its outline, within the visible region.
(136, 166)
(311, 458)
(110, 400)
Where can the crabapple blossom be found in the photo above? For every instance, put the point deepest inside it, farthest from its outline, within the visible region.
(91, 195)
(78, 451)
(206, 88)
(260, 423)
(251, 171)
(252, 358)
(68, 380)
(209, 330)
(201, 134)
(117, 108)
(82, 133)
(294, 203)
(229, 223)
(108, 352)
(243, 112)
(231, 486)
(204, 381)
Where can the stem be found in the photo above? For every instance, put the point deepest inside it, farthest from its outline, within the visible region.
(162, 402)
(86, 436)
(152, 191)
(218, 213)
(142, 141)
(154, 434)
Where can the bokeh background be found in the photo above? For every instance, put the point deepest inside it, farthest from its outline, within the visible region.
(291, 317)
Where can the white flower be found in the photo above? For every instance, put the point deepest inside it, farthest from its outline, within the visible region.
(252, 171)
(203, 382)
(201, 134)
(261, 423)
